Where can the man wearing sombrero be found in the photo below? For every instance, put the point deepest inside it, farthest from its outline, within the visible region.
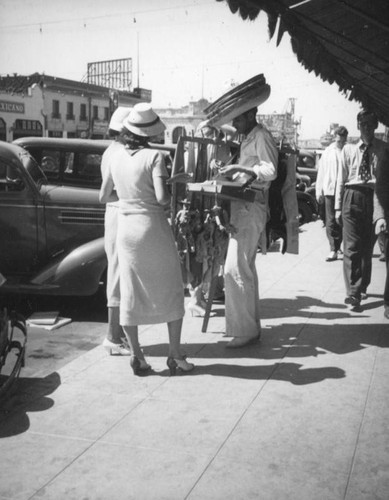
(258, 162)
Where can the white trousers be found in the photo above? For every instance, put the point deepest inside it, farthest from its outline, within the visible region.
(241, 280)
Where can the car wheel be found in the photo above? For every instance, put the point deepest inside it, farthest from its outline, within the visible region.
(305, 213)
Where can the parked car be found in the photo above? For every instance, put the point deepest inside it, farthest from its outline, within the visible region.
(71, 162)
(307, 165)
(51, 221)
(307, 207)
(68, 162)
(51, 235)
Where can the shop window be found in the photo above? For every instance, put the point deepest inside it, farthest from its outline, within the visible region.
(106, 114)
(55, 111)
(95, 112)
(25, 128)
(83, 117)
(69, 111)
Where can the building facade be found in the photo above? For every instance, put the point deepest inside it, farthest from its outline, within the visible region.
(47, 106)
(182, 121)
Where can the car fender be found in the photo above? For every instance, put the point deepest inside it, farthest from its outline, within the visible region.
(309, 199)
(77, 273)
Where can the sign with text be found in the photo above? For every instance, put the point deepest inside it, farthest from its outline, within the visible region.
(11, 107)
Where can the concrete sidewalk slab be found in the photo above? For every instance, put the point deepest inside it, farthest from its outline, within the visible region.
(302, 415)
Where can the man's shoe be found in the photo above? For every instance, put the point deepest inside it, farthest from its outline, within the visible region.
(352, 301)
(237, 342)
(332, 256)
(386, 311)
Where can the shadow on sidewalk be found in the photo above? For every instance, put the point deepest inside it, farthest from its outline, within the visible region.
(301, 340)
(287, 372)
(302, 306)
(309, 307)
(26, 395)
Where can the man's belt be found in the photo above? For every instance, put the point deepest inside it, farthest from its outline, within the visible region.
(361, 187)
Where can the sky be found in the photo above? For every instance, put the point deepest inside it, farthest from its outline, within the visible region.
(182, 50)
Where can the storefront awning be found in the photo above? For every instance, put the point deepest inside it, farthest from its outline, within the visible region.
(343, 41)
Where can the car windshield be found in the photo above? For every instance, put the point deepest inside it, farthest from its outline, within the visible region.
(32, 168)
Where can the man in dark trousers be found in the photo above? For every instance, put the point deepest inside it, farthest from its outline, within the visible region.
(325, 188)
(381, 218)
(354, 205)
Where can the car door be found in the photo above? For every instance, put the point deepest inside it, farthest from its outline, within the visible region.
(21, 221)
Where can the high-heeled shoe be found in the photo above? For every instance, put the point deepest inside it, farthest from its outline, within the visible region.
(139, 366)
(122, 349)
(196, 310)
(182, 364)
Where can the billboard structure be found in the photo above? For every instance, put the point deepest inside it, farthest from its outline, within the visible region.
(115, 74)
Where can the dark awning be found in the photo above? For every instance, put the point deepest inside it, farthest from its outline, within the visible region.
(343, 41)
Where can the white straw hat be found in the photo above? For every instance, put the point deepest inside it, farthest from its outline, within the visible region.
(116, 122)
(144, 121)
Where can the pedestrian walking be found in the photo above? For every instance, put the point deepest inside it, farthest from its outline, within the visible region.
(354, 205)
(325, 189)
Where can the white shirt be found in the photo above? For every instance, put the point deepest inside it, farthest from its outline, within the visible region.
(328, 171)
(259, 152)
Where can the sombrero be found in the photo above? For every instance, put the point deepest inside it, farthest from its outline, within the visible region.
(238, 100)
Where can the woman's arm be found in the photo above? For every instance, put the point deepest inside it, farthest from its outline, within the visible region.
(107, 191)
(161, 191)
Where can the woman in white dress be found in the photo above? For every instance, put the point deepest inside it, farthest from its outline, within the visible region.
(151, 286)
(113, 342)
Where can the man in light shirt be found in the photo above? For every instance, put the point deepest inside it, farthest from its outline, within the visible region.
(354, 205)
(325, 188)
(258, 162)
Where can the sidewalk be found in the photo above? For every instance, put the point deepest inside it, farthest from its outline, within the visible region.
(301, 416)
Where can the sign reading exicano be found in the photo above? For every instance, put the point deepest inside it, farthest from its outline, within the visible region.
(11, 107)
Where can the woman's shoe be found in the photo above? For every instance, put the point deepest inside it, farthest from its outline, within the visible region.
(182, 364)
(332, 256)
(139, 366)
(196, 310)
(122, 349)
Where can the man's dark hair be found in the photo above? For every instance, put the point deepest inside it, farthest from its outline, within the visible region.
(366, 113)
(252, 110)
(341, 131)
